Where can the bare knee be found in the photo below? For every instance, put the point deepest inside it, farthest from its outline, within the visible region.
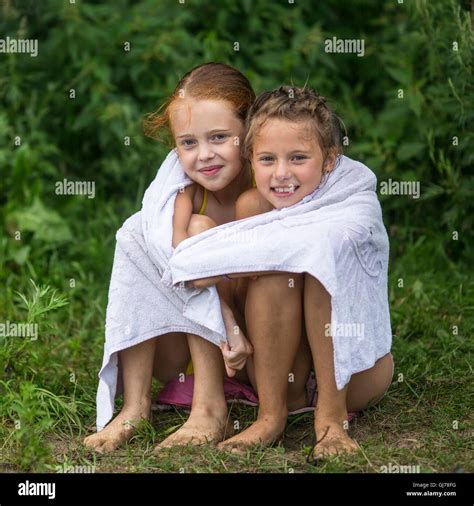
(200, 223)
(313, 284)
(278, 295)
(274, 284)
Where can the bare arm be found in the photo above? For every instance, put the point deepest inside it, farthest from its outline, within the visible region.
(250, 203)
(183, 209)
(203, 282)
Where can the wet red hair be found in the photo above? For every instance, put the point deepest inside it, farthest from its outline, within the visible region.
(210, 81)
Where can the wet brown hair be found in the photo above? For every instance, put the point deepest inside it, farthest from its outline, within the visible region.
(293, 103)
(210, 81)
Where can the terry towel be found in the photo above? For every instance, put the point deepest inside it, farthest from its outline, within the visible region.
(336, 234)
(140, 306)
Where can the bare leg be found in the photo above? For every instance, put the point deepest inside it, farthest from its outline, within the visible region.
(172, 356)
(165, 357)
(165, 360)
(331, 413)
(137, 365)
(273, 314)
(207, 422)
(297, 395)
(366, 388)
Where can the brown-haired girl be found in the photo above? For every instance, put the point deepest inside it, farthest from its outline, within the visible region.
(293, 141)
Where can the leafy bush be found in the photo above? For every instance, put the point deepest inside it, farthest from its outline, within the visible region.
(74, 112)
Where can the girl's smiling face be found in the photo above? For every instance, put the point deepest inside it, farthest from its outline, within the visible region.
(208, 135)
(287, 161)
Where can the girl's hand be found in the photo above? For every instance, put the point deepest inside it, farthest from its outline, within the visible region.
(236, 354)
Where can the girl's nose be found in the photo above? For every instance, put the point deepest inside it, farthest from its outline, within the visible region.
(281, 171)
(205, 152)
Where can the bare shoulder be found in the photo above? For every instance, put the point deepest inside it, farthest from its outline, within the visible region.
(251, 203)
(184, 200)
(186, 193)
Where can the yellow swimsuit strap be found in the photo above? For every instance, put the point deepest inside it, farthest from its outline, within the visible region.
(204, 202)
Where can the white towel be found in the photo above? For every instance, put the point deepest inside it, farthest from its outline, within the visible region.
(336, 234)
(140, 306)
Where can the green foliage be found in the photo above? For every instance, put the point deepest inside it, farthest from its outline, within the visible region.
(408, 47)
(424, 134)
(32, 420)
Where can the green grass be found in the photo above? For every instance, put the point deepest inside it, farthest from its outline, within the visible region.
(48, 386)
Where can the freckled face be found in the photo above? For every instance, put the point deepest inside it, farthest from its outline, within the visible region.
(208, 136)
(287, 161)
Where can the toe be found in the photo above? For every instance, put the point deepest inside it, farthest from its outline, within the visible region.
(162, 446)
(333, 450)
(225, 447)
(95, 445)
(98, 448)
(108, 447)
(237, 450)
(315, 455)
(91, 441)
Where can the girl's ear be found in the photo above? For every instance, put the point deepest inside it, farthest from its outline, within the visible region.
(330, 161)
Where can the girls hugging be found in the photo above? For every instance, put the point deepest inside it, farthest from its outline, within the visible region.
(259, 254)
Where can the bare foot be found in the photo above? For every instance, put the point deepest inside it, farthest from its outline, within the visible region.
(262, 432)
(119, 430)
(203, 426)
(331, 440)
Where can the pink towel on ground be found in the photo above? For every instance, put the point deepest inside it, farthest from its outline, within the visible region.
(180, 393)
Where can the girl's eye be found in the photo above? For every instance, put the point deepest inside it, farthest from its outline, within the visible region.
(187, 142)
(266, 159)
(219, 137)
(298, 158)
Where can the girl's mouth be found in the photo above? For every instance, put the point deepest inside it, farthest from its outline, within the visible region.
(211, 170)
(284, 191)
